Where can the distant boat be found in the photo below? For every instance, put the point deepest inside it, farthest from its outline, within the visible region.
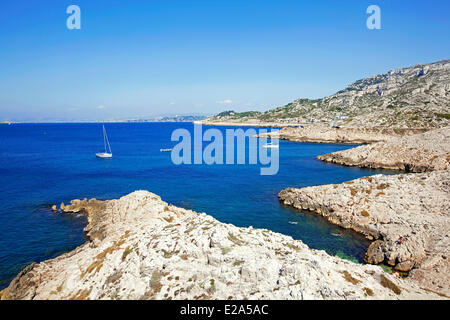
(165, 150)
(271, 146)
(105, 154)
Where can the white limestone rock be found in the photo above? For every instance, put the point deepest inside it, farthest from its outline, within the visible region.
(142, 248)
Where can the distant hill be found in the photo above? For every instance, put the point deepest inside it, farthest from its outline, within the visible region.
(417, 96)
(184, 118)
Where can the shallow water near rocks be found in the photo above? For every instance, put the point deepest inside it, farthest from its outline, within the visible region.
(45, 164)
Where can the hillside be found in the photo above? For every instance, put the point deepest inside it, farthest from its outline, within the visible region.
(413, 97)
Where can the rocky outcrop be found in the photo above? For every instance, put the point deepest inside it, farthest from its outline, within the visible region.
(407, 213)
(142, 248)
(25, 279)
(83, 206)
(323, 134)
(416, 153)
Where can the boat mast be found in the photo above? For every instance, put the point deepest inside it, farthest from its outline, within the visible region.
(106, 140)
(104, 137)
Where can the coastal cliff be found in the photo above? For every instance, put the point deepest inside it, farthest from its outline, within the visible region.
(415, 153)
(140, 247)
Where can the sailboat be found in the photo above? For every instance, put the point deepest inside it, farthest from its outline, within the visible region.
(105, 154)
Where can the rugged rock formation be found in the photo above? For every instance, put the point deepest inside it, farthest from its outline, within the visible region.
(142, 248)
(83, 206)
(413, 97)
(322, 134)
(416, 153)
(408, 213)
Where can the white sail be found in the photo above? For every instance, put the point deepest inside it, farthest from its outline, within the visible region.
(105, 154)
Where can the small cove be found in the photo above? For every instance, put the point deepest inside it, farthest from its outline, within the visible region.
(45, 164)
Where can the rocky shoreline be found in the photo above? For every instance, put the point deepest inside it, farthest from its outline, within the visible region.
(140, 247)
(347, 135)
(319, 133)
(415, 153)
(407, 214)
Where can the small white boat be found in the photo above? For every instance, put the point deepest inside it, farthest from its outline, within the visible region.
(271, 146)
(165, 150)
(105, 154)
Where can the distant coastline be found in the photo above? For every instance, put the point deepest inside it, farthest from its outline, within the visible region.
(183, 118)
(90, 121)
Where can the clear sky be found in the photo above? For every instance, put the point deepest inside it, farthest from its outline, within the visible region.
(144, 58)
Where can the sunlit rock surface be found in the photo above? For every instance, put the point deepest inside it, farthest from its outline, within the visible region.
(142, 248)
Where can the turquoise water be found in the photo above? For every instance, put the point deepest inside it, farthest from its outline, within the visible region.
(45, 164)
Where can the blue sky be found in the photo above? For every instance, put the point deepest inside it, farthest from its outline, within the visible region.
(144, 58)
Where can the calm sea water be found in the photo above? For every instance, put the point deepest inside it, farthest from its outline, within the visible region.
(45, 164)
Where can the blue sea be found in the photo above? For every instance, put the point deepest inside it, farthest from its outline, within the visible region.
(46, 164)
